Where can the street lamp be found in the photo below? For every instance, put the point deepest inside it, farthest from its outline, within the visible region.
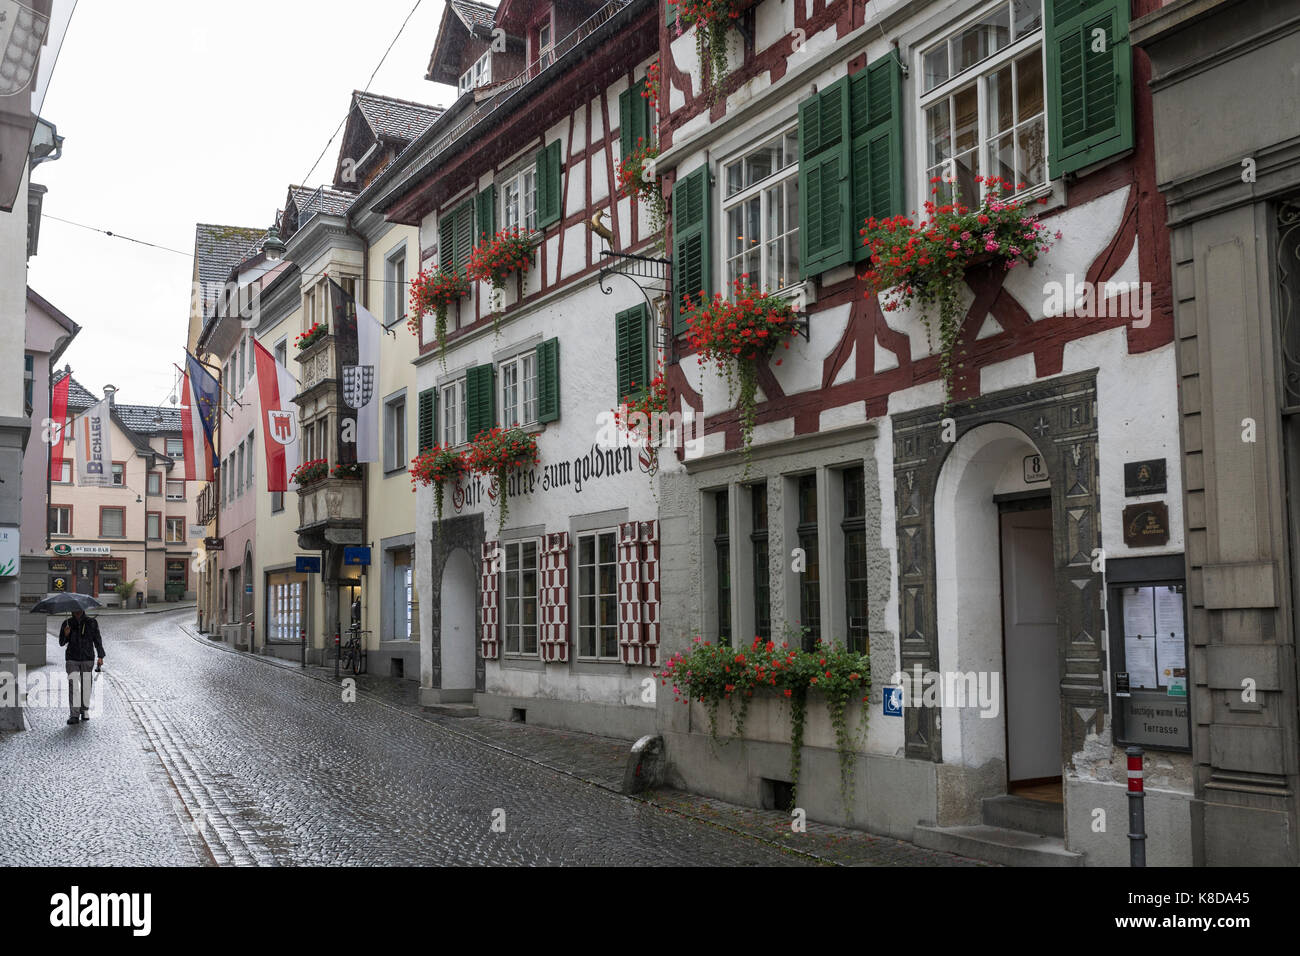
(274, 248)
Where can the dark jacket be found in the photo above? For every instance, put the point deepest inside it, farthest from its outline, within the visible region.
(82, 639)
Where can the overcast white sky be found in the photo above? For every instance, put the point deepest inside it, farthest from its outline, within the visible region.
(177, 112)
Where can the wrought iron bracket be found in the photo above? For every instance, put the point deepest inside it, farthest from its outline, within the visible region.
(653, 276)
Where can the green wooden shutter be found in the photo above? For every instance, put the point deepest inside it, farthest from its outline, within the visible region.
(548, 381)
(428, 418)
(486, 212)
(548, 185)
(633, 118)
(692, 241)
(876, 122)
(670, 16)
(464, 228)
(632, 351)
(1089, 91)
(447, 240)
(480, 400)
(824, 195)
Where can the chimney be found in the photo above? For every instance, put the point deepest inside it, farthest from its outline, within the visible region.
(109, 392)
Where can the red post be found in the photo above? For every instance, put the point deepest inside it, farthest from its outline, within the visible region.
(1137, 831)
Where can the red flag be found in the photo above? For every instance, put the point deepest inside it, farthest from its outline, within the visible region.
(58, 419)
(276, 388)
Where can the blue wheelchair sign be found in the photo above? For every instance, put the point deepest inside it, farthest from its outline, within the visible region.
(893, 702)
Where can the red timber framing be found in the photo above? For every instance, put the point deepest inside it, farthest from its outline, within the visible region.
(1142, 221)
(523, 128)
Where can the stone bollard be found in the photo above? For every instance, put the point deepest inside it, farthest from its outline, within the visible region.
(645, 765)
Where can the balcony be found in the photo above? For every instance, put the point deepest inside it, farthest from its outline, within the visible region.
(329, 513)
(317, 362)
(209, 502)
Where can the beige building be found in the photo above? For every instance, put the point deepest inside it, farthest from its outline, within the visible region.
(140, 529)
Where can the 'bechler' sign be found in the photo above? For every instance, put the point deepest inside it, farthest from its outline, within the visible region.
(597, 464)
(94, 450)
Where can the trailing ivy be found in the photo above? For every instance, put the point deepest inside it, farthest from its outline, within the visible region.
(715, 673)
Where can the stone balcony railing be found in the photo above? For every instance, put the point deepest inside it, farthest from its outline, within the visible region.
(317, 362)
(329, 512)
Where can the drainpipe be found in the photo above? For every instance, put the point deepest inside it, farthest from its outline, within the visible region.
(365, 300)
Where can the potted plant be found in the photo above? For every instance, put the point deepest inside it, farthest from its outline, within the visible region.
(712, 20)
(642, 416)
(125, 589)
(310, 337)
(351, 470)
(495, 260)
(434, 290)
(737, 335)
(495, 452)
(310, 472)
(716, 673)
(634, 182)
(434, 467)
(926, 262)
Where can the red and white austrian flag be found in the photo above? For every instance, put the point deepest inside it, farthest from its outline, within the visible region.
(276, 388)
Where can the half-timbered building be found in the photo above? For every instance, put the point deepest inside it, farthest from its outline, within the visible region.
(551, 616)
(1024, 537)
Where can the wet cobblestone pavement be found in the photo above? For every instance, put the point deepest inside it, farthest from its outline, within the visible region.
(199, 756)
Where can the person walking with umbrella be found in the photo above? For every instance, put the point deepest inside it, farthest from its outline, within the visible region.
(80, 634)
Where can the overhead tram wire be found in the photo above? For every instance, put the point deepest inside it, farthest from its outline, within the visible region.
(373, 74)
(190, 255)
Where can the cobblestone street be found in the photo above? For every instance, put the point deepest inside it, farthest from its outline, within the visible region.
(198, 756)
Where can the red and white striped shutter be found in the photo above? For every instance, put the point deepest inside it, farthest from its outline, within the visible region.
(554, 596)
(629, 593)
(650, 578)
(489, 582)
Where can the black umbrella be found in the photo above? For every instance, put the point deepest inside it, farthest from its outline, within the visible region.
(65, 603)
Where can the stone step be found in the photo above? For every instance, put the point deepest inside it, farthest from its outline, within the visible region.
(1020, 813)
(998, 845)
(451, 710)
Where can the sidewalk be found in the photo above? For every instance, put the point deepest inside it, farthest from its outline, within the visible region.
(600, 761)
(158, 607)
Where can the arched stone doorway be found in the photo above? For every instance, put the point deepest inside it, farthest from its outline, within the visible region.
(997, 614)
(1055, 418)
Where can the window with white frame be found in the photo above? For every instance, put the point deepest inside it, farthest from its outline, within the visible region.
(395, 434)
(65, 474)
(598, 596)
(519, 390)
(452, 431)
(175, 490)
(480, 74)
(251, 458)
(395, 287)
(175, 448)
(760, 207)
(519, 597)
(175, 530)
(519, 200)
(239, 471)
(983, 95)
(60, 519)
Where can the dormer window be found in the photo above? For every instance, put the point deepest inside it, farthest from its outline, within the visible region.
(480, 74)
(545, 44)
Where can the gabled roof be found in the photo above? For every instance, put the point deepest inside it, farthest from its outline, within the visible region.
(463, 21)
(396, 120)
(474, 14)
(148, 420)
(80, 398)
(219, 249)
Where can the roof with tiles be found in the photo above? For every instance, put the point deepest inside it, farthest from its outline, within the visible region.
(474, 14)
(395, 119)
(148, 419)
(219, 249)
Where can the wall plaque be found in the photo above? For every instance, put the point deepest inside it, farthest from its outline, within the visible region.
(1144, 477)
(1146, 525)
